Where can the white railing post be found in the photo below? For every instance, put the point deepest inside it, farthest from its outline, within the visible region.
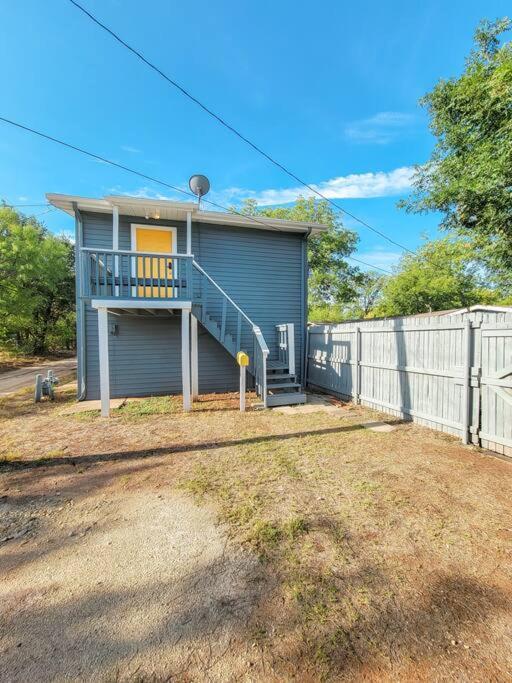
(290, 342)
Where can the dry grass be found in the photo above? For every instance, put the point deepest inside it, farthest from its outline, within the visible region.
(387, 556)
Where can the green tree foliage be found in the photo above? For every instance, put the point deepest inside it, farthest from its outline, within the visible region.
(469, 176)
(442, 274)
(332, 281)
(36, 285)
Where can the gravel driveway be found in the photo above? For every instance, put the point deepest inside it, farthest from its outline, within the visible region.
(14, 380)
(122, 585)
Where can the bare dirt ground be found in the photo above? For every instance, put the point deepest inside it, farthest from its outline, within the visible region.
(266, 546)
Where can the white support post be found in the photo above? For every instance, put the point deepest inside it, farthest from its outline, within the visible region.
(185, 358)
(189, 232)
(243, 380)
(194, 357)
(291, 348)
(104, 367)
(115, 242)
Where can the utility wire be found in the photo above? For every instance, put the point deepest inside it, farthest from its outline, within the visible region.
(232, 129)
(156, 180)
(16, 206)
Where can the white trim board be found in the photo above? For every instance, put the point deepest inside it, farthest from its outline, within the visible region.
(140, 303)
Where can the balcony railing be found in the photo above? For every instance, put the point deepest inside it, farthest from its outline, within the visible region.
(109, 274)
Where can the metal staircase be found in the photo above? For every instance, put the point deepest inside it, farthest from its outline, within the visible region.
(275, 379)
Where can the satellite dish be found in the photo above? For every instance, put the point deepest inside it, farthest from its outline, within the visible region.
(199, 185)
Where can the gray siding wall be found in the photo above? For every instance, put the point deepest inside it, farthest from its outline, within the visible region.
(261, 270)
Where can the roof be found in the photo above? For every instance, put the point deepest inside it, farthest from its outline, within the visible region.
(166, 210)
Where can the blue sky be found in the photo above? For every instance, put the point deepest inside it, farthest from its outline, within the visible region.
(330, 89)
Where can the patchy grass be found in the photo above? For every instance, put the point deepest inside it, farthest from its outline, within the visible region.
(155, 405)
(379, 550)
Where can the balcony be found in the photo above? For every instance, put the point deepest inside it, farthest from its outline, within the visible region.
(127, 275)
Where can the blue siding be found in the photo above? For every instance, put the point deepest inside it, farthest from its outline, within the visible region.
(261, 270)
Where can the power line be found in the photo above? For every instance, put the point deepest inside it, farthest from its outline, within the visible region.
(16, 206)
(98, 157)
(232, 129)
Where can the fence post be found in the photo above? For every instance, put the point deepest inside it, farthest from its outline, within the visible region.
(466, 383)
(358, 364)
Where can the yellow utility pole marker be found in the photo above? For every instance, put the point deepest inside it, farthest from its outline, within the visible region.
(243, 361)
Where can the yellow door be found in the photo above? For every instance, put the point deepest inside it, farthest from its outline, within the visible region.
(160, 242)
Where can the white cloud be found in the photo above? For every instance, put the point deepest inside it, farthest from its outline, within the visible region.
(22, 198)
(353, 186)
(131, 150)
(382, 258)
(145, 192)
(380, 129)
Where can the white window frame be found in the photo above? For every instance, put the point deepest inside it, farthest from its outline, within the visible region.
(133, 240)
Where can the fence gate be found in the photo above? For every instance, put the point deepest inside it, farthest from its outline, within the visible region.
(496, 388)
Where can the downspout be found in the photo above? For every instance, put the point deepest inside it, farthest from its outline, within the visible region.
(304, 306)
(80, 306)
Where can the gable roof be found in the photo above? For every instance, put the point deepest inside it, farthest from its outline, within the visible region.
(167, 210)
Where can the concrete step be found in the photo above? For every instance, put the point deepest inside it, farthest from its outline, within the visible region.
(285, 399)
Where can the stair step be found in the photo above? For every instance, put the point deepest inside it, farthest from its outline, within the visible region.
(285, 399)
(283, 385)
(279, 375)
(276, 365)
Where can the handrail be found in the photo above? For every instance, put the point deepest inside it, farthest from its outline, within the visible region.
(255, 328)
(224, 294)
(136, 253)
(261, 340)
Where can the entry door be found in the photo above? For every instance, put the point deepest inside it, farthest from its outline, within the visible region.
(156, 241)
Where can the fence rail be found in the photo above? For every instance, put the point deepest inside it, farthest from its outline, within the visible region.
(452, 373)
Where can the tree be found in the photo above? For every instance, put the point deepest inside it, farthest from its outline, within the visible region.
(442, 274)
(331, 280)
(368, 294)
(36, 283)
(469, 175)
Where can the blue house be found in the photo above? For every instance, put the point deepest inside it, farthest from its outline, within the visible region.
(168, 293)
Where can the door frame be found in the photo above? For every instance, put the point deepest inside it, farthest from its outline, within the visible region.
(165, 228)
(133, 242)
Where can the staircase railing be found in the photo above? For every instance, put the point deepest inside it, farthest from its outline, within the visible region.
(286, 345)
(237, 331)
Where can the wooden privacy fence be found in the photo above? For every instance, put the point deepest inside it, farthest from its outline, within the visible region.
(452, 373)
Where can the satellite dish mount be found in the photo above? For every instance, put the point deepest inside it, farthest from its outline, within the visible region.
(199, 185)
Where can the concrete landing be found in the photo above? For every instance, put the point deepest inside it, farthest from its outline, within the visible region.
(379, 426)
(315, 403)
